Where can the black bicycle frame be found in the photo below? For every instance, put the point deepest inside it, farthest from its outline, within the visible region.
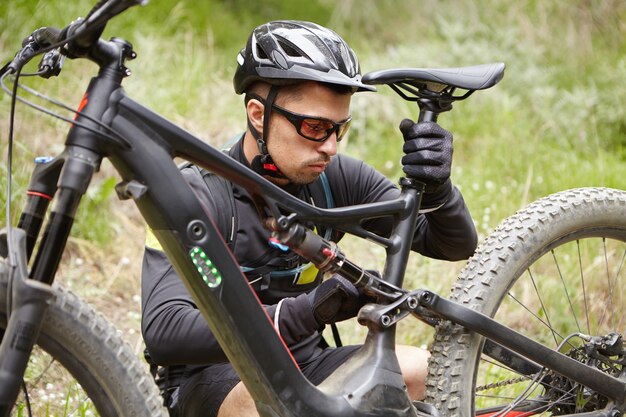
(141, 146)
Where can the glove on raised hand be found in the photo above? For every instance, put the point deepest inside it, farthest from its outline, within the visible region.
(334, 300)
(428, 153)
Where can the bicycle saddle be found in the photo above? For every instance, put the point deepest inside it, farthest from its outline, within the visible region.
(477, 77)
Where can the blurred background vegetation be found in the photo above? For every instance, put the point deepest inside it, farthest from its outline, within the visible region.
(557, 120)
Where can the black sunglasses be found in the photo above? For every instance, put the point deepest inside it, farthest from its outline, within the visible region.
(317, 129)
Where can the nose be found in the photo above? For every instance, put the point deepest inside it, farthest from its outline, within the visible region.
(329, 146)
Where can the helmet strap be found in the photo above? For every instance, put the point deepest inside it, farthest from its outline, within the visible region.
(264, 164)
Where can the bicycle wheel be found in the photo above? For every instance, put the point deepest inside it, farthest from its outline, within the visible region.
(81, 367)
(554, 272)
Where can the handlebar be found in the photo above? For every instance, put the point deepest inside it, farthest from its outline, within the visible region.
(83, 34)
(75, 40)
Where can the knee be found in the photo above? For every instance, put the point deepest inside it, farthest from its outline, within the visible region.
(414, 365)
(238, 403)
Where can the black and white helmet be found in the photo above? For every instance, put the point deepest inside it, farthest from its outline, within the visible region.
(288, 51)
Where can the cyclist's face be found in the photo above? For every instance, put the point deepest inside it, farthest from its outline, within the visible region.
(300, 159)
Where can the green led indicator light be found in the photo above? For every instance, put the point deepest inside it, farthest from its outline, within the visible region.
(209, 273)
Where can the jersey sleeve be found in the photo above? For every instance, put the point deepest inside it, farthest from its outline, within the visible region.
(446, 233)
(175, 331)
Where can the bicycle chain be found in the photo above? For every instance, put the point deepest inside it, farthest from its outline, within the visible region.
(501, 383)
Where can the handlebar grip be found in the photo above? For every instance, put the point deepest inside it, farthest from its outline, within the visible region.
(43, 37)
(93, 25)
(95, 8)
(105, 10)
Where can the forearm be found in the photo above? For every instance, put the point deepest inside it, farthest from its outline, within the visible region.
(179, 333)
(447, 232)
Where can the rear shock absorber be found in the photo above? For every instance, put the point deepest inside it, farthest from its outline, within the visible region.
(327, 257)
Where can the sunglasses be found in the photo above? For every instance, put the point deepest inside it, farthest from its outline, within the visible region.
(317, 129)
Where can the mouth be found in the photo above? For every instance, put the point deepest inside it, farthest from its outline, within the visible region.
(318, 167)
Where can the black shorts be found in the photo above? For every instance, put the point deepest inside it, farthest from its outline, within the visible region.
(202, 392)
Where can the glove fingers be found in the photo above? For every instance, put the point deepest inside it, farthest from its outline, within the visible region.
(334, 300)
(421, 144)
(349, 289)
(428, 153)
(423, 158)
(405, 126)
(427, 177)
(411, 129)
(326, 308)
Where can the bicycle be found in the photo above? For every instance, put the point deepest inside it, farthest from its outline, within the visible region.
(582, 374)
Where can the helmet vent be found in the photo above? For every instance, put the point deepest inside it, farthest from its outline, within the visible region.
(290, 50)
(260, 52)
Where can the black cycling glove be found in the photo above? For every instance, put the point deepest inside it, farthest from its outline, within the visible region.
(334, 300)
(428, 154)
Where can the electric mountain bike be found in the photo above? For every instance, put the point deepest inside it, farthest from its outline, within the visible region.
(501, 347)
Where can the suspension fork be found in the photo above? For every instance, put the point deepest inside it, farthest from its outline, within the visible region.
(41, 190)
(28, 295)
(78, 168)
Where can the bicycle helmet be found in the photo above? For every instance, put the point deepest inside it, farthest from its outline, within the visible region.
(289, 51)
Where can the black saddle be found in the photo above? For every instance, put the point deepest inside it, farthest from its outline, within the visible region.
(478, 77)
(434, 90)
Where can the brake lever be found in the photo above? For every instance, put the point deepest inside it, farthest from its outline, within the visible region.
(51, 64)
(32, 45)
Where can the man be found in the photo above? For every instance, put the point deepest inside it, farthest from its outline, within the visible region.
(298, 79)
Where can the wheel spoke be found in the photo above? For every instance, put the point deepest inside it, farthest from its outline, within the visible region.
(616, 283)
(582, 282)
(537, 317)
(609, 304)
(543, 307)
(569, 300)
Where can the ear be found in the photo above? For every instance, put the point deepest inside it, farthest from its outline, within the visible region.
(255, 110)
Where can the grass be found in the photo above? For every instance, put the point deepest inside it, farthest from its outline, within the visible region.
(556, 120)
(52, 391)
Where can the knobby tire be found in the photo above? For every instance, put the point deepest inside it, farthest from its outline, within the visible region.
(81, 366)
(551, 271)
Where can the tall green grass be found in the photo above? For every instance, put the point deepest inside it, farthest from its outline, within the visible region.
(556, 120)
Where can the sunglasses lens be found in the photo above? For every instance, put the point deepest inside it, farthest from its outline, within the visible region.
(343, 129)
(315, 129)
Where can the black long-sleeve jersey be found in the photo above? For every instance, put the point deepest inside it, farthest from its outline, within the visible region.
(174, 329)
